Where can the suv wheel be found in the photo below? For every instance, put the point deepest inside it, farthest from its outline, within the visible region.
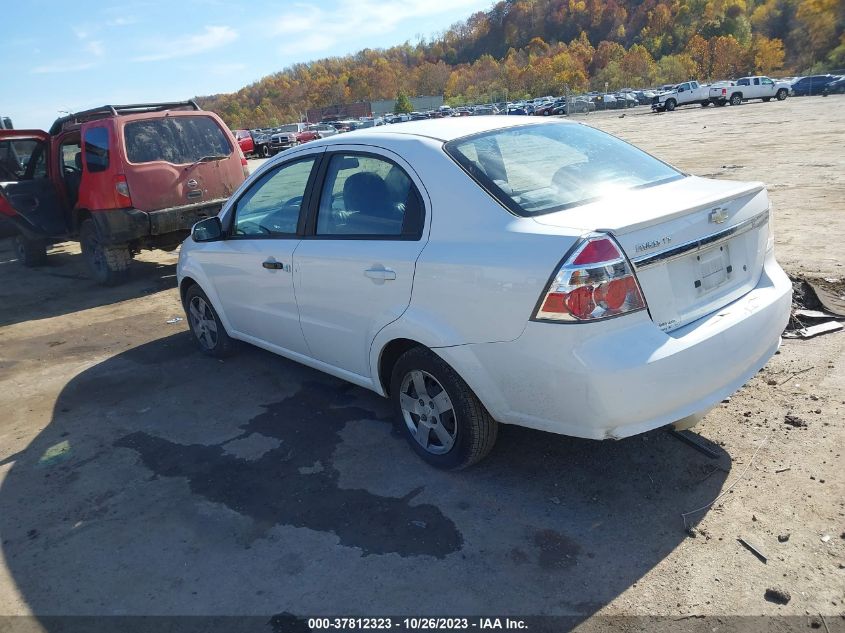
(206, 328)
(781, 94)
(440, 416)
(30, 253)
(109, 265)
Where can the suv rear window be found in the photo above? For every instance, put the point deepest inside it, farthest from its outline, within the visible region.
(175, 139)
(538, 169)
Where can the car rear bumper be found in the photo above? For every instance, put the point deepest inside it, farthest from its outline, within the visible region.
(119, 226)
(624, 376)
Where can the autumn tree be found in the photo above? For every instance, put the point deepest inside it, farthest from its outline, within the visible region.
(768, 55)
(403, 104)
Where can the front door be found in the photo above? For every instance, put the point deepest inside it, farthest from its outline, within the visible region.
(251, 269)
(28, 196)
(354, 269)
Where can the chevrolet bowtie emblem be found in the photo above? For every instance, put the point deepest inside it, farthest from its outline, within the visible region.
(718, 215)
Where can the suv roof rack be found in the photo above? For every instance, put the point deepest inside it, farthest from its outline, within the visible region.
(116, 110)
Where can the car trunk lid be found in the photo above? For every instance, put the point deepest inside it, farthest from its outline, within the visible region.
(181, 159)
(696, 244)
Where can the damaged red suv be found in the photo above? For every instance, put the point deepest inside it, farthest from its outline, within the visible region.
(117, 179)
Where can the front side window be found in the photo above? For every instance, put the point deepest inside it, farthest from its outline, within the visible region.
(368, 196)
(767, 82)
(270, 207)
(22, 160)
(538, 169)
(97, 149)
(175, 139)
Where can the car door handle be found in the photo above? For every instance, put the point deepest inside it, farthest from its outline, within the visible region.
(272, 264)
(380, 273)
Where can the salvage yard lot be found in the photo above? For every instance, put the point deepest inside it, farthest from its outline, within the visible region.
(139, 477)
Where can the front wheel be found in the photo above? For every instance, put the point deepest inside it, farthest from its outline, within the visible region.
(440, 416)
(206, 327)
(31, 253)
(781, 94)
(670, 105)
(736, 99)
(264, 151)
(109, 265)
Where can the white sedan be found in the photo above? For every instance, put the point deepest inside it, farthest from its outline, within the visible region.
(492, 270)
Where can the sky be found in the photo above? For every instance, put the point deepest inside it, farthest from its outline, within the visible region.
(63, 56)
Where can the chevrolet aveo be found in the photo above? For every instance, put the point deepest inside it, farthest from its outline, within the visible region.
(491, 270)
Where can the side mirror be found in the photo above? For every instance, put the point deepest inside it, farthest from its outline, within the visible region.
(207, 230)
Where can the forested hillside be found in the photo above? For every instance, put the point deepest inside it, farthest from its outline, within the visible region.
(537, 47)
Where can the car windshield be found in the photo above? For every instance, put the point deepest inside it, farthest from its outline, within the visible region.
(292, 127)
(175, 139)
(538, 169)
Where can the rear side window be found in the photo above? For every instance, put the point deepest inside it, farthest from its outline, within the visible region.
(365, 196)
(538, 169)
(97, 149)
(175, 139)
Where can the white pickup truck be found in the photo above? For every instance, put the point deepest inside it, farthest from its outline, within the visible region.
(749, 88)
(686, 93)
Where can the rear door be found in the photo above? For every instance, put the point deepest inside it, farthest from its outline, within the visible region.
(179, 159)
(354, 270)
(28, 195)
(251, 269)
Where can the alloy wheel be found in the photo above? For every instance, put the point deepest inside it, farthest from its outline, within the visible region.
(203, 323)
(428, 412)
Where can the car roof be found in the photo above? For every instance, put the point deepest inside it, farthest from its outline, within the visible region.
(443, 129)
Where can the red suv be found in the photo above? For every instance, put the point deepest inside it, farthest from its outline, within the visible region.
(118, 179)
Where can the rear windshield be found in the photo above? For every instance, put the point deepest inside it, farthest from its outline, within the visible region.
(175, 139)
(538, 169)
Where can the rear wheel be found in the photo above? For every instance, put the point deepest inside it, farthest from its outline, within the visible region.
(109, 265)
(736, 99)
(670, 105)
(442, 419)
(206, 327)
(30, 252)
(781, 94)
(704, 104)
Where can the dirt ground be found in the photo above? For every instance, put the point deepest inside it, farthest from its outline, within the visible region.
(139, 477)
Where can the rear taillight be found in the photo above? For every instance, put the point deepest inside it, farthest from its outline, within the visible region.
(121, 188)
(595, 282)
(724, 91)
(244, 166)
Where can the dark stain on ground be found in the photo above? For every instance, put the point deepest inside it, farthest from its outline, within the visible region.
(272, 490)
(556, 550)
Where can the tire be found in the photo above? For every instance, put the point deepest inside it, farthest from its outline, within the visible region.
(206, 329)
(722, 103)
(781, 94)
(31, 253)
(670, 105)
(264, 152)
(704, 104)
(467, 431)
(109, 265)
(736, 99)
